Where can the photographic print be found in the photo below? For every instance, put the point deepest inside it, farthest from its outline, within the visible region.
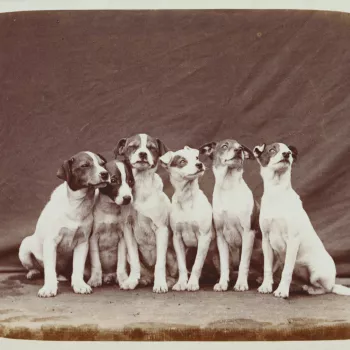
(175, 175)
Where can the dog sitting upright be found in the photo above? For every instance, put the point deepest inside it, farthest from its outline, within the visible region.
(287, 230)
(234, 210)
(65, 224)
(112, 231)
(151, 227)
(191, 214)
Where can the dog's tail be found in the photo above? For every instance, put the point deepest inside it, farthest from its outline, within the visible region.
(341, 290)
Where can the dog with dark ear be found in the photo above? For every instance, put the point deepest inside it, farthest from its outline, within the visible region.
(64, 226)
(152, 205)
(235, 213)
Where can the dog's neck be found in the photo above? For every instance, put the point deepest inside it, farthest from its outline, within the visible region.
(144, 183)
(107, 204)
(185, 191)
(276, 181)
(227, 178)
(80, 199)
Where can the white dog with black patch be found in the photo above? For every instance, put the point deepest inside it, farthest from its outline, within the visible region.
(112, 237)
(65, 224)
(287, 230)
(151, 226)
(234, 209)
(191, 214)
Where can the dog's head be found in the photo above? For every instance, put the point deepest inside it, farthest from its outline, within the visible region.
(83, 170)
(183, 164)
(227, 153)
(122, 182)
(276, 156)
(141, 151)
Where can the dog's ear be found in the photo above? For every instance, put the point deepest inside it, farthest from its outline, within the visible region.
(166, 159)
(65, 171)
(258, 150)
(162, 148)
(104, 160)
(120, 148)
(294, 152)
(248, 154)
(208, 149)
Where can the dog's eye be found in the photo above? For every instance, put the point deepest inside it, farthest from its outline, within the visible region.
(197, 158)
(272, 150)
(85, 165)
(224, 147)
(113, 180)
(183, 162)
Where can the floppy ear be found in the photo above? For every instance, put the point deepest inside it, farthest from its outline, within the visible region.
(120, 148)
(248, 154)
(162, 148)
(258, 150)
(166, 158)
(294, 152)
(64, 172)
(208, 149)
(103, 158)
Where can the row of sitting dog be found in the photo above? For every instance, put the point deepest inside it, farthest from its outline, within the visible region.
(117, 213)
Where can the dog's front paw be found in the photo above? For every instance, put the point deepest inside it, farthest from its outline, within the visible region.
(192, 285)
(265, 288)
(121, 277)
(80, 287)
(129, 284)
(160, 287)
(241, 286)
(95, 280)
(281, 292)
(109, 278)
(48, 290)
(221, 286)
(180, 286)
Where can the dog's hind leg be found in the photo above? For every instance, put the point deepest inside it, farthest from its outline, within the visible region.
(26, 256)
(172, 268)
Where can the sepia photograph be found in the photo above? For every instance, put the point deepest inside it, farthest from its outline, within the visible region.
(175, 175)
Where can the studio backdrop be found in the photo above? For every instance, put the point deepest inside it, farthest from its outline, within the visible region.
(73, 81)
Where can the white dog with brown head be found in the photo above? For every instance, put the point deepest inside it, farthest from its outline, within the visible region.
(287, 230)
(64, 226)
(151, 226)
(191, 213)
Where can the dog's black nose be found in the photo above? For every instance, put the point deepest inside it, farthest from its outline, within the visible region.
(104, 175)
(126, 199)
(143, 155)
(199, 166)
(286, 155)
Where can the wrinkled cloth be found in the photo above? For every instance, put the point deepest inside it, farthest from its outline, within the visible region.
(81, 80)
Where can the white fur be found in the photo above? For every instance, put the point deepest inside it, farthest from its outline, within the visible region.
(287, 230)
(233, 205)
(190, 217)
(64, 210)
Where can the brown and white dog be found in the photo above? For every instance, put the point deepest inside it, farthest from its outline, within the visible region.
(151, 227)
(287, 229)
(64, 226)
(112, 234)
(235, 212)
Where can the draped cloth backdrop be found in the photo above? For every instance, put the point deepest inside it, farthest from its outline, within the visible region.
(81, 80)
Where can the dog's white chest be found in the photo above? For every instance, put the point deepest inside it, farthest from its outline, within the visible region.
(279, 218)
(232, 214)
